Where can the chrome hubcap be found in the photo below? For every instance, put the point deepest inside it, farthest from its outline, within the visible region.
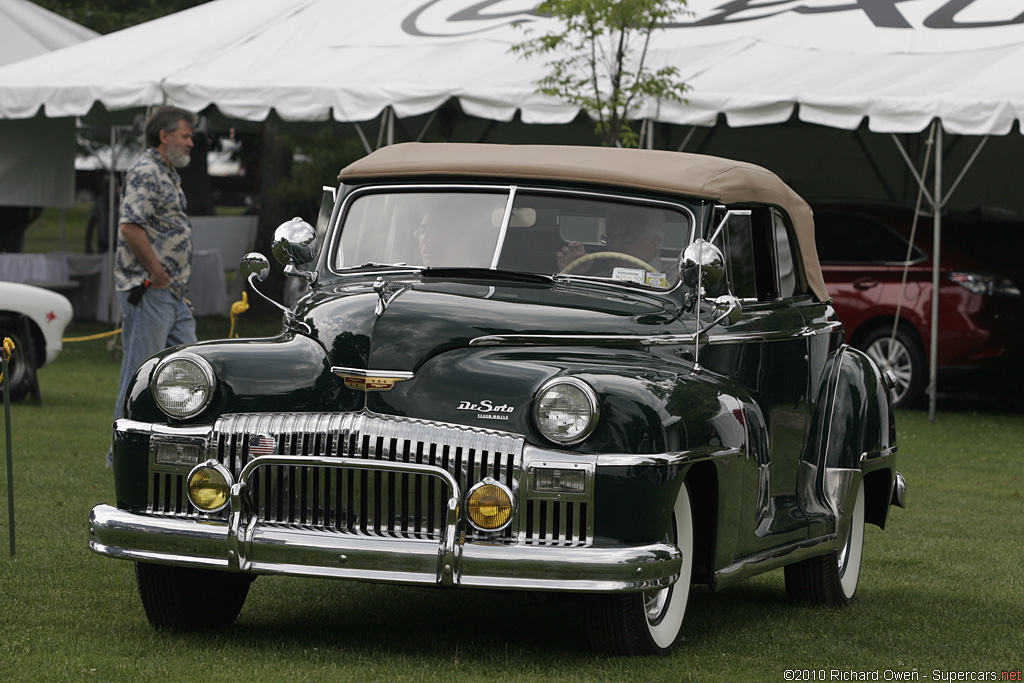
(896, 358)
(655, 602)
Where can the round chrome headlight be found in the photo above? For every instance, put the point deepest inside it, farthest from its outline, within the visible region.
(183, 385)
(209, 486)
(566, 410)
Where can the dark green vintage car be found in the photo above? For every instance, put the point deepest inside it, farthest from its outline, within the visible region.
(606, 372)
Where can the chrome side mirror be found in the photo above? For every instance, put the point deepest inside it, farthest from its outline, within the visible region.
(254, 265)
(295, 243)
(701, 265)
(728, 310)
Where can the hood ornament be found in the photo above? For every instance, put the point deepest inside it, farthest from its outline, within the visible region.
(370, 380)
(386, 293)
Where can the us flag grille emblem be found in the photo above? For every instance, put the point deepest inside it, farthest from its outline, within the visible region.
(262, 445)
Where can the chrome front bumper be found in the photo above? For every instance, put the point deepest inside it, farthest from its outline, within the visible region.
(243, 544)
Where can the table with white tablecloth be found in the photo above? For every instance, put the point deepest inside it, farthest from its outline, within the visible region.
(86, 280)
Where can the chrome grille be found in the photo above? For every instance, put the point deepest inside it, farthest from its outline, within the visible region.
(373, 503)
(552, 522)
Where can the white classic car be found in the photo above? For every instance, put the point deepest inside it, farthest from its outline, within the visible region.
(35, 319)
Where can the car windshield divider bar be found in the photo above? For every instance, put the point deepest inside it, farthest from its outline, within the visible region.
(505, 220)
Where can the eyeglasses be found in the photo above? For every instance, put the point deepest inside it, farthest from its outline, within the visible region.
(624, 237)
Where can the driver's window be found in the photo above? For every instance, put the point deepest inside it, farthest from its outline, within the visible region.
(735, 239)
(784, 257)
(759, 257)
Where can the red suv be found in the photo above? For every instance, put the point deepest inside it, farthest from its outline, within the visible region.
(864, 250)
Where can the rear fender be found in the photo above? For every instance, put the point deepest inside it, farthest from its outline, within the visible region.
(852, 441)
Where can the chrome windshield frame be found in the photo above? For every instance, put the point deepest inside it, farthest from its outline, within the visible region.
(513, 190)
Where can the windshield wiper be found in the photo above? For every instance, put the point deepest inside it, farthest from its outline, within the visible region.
(486, 274)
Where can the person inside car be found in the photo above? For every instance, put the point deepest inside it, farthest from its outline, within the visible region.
(633, 232)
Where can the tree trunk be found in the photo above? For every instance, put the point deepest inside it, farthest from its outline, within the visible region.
(274, 165)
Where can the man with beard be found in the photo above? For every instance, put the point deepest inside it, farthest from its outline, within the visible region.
(153, 260)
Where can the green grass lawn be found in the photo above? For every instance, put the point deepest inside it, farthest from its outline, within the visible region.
(941, 588)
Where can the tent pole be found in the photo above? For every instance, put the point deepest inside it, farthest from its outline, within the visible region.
(910, 166)
(426, 126)
(967, 166)
(362, 136)
(933, 361)
(686, 140)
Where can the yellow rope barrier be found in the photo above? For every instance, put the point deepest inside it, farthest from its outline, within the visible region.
(8, 347)
(90, 337)
(239, 307)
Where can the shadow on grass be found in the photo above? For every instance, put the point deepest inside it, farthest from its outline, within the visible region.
(367, 620)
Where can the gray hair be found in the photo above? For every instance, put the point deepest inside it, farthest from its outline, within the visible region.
(166, 118)
(651, 220)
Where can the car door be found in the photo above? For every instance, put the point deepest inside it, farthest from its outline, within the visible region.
(769, 351)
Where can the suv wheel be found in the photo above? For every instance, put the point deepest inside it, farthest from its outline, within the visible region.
(902, 355)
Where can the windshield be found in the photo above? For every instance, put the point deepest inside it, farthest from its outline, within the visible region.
(542, 232)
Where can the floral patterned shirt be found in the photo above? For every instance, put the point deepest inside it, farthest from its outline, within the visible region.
(153, 199)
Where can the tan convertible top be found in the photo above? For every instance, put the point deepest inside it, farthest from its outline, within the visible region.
(695, 175)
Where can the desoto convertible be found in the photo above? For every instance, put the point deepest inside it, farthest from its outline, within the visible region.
(607, 372)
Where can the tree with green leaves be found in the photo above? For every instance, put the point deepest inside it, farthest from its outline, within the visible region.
(107, 16)
(599, 60)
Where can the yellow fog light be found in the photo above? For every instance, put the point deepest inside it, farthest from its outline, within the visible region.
(490, 505)
(209, 486)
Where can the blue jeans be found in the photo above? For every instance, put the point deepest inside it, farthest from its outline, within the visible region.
(157, 322)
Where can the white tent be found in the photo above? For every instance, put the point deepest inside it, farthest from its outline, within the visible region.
(898, 64)
(871, 66)
(28, 30)
(845, 68)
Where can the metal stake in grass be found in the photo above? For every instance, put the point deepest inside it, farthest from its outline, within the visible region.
(5, 351)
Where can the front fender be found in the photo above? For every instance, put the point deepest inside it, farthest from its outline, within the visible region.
(289, 372)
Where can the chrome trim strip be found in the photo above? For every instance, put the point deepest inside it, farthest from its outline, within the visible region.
(634, 340)
(773, 558)
(127, 426)
(661, 459)
(578, 340)
(871, 455)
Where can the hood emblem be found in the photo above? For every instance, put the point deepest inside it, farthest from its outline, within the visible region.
(487, 409)
(386, 293)
(370, 380)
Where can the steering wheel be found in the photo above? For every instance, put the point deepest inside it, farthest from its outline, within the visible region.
(611, 256)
